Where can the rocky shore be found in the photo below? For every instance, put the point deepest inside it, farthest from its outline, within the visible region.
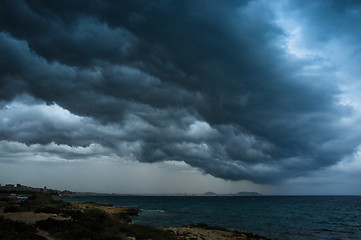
(40, 217)
(203, 231)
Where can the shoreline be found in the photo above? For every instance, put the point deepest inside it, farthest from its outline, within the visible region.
(49, 218)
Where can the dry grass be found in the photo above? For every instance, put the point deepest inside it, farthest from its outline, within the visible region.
(108, 209)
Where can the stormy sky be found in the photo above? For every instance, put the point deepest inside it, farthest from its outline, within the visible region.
(181, 96)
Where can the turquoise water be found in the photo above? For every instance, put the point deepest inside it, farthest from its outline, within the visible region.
(299, 218)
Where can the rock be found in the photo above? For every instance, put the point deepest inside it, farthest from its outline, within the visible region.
(205, 232)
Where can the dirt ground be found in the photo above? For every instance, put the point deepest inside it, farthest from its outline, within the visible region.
(31, 217)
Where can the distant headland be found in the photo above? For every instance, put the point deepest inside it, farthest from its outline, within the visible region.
(251, 194)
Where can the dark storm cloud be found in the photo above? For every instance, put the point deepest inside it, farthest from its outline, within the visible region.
(202, 82)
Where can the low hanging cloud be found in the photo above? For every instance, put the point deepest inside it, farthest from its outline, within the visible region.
(55, 131)
(210, 84)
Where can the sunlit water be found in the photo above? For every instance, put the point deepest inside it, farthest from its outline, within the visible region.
(299, 218)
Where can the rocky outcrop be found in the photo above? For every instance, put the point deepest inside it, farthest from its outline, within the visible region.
(205, 232)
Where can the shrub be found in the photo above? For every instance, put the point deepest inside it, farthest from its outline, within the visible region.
(4, 199)
(15, 209)
(11, 230)
(48, 210)
(78, 230)
(96, 213)
(74, 214)
(41, 198)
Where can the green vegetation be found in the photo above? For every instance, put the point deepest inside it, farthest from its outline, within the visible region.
(48, 210)
(11, 209)
(36, 202)
(11, 230)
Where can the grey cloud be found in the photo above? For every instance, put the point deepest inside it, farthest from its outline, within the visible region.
(72, 40)
(32, 122)
(206, 83)
(15, 152)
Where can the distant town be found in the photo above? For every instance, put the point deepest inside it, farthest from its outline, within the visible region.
(18, 188)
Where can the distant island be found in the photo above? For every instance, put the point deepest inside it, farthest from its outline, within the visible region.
(246, 194)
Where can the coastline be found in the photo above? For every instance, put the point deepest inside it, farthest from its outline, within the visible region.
(47, 218)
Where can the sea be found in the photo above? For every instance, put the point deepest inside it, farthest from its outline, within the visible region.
(275, 217)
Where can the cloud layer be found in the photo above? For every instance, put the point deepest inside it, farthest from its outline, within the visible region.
(232, 89)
